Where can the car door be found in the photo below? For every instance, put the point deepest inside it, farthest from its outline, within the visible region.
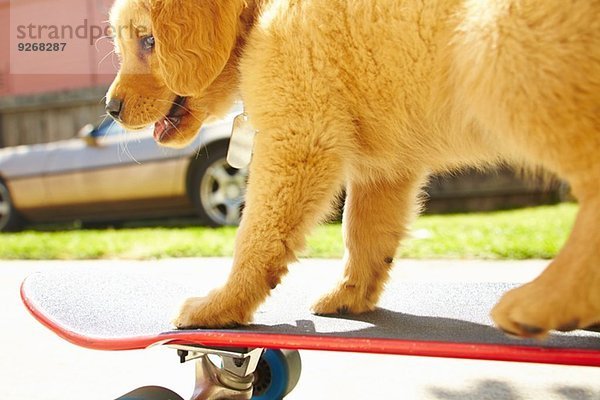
(110, 165)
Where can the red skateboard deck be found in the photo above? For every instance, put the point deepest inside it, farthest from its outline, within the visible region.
(108, 310)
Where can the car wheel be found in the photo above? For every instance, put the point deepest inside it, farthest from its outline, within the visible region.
(9, 217)
(217, 189)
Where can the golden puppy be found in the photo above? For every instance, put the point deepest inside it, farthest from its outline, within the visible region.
(375, 95)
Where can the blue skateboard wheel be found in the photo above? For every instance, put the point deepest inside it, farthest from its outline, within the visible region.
(276, 375)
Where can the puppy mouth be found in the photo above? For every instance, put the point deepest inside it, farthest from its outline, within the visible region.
(168, 126)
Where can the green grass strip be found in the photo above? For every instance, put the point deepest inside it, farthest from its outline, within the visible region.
(518, 234)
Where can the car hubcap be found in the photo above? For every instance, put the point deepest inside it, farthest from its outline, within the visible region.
(4, 206)
(222, 192)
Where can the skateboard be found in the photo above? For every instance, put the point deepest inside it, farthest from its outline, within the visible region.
(106, 309)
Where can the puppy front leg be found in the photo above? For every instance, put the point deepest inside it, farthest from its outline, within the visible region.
(375, 220)
(293, 179)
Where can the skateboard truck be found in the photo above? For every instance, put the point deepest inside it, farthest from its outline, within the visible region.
(242, 374)
(234, 379)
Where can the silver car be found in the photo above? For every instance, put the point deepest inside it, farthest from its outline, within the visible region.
(108, 174)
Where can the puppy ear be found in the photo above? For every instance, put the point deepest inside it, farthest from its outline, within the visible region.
(193, 40)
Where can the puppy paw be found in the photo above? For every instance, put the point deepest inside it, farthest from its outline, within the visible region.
(532, 310)
(213, 311)
(346, 299)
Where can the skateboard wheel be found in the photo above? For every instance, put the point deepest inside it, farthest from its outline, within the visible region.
(151, 393)
(277, 374)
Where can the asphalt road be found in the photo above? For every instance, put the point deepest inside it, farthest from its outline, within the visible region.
(37, 365)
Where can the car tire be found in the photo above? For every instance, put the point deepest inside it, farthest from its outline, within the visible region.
(217, 190)
(10, 220)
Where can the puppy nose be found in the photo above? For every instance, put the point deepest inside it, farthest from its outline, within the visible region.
(114, 107)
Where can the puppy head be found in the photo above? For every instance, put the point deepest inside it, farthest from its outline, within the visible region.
(176, 64)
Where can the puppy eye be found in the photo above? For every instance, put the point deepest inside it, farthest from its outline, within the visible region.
(147, 42)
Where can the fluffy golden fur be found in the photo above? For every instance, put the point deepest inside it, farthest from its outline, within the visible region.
(376, 95)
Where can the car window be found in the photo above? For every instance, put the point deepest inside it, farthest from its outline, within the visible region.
(108, 127)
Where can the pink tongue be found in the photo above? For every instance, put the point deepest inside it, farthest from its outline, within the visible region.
(159, 129)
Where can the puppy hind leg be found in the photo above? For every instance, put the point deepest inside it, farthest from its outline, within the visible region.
(566, 295)
(294, 176)
(532, 82)
(561, 134)
(375, 220)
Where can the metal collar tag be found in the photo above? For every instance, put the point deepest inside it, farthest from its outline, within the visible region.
(241, 142)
